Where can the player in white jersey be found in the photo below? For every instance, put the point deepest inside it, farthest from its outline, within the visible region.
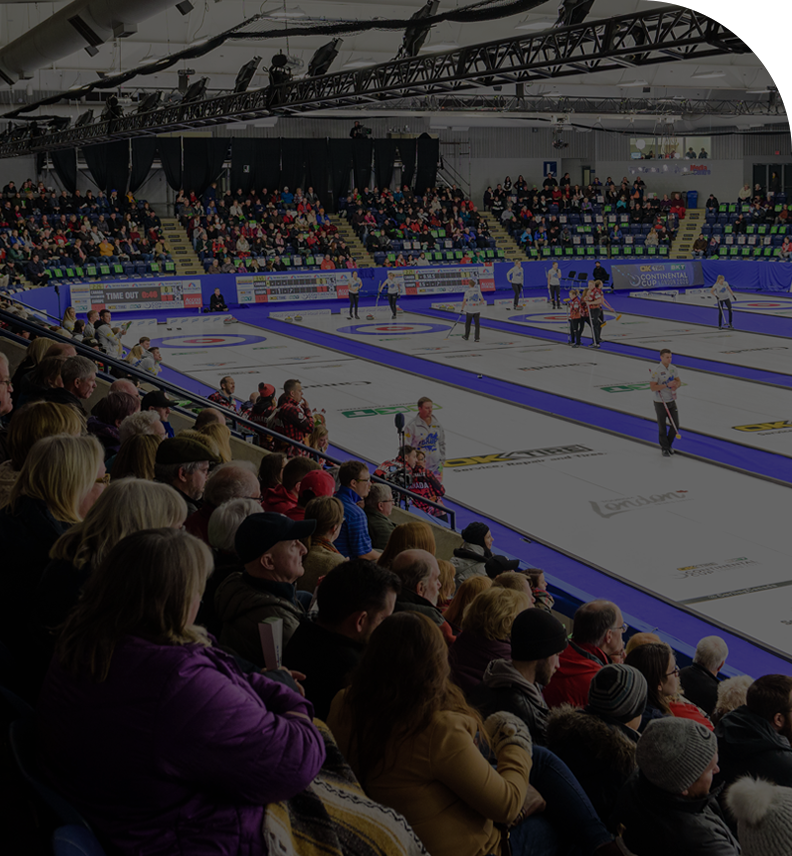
(471, 306)
(724, 296)
(664, 383)
(516, 277)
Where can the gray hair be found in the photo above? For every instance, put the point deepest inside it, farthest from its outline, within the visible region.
(378, 493)
(4, 361)
(141, 422)
(225, 521)
(229, 481)
(77, 368)
(711, 651)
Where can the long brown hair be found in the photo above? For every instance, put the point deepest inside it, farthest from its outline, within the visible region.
(407, 536)
(401, 682)
(652, 661)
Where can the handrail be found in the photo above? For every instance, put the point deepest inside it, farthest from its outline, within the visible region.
(107, 360)
(13, 299)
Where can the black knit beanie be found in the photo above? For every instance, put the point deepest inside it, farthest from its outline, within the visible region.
(475, 533)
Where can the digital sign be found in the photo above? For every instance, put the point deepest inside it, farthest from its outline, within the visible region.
(132, 295)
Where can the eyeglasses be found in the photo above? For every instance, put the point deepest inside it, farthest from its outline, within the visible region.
(105, 479)
(622, 628)
(362, 480)
(7, 382)
(674, 671)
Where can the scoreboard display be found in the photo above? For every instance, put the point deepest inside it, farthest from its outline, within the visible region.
(132, 295)
(443, 280)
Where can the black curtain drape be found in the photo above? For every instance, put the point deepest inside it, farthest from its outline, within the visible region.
(109, 165)
(203, 162)
(268, 164)
(407, 154)
(65, 163)
(169, 149)
(243, 164)
(317, 170)
(143, 151)
(361, 159)
(428, 150)
(384, 156)
(292, 164)
(340, 156)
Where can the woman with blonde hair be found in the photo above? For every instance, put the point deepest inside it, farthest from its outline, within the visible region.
(407, 536)
(486, 634)
(447, 584)
(69, 317)
(30, 423)
(465, 595)
(319, 438)
(322, 556)
(414, 743)
(130, 661)
(220, 435)
(136, 457)
(135, 355)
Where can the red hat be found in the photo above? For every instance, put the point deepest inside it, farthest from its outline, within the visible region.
(321, 483)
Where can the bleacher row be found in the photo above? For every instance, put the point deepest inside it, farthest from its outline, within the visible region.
(62, 270)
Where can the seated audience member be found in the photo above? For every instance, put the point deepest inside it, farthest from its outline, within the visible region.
(353, 541)
(470, 558)
(131, 661)
(79, 382)
(106, 417)
(220, 437)
(60, 480)
(486, 634)
(157, 401)
(378, 508)
(754, 739)
(136, 457)
(314, 484)
(411, 740)
(352, 600)
(269, 548)
(217, 302)
(221, 535)
(420, 587)
(322, 556)
(763, 812)
(293, 417)
(284, 496)
(542, 598)
(512, 580)
(598, 742)
(271, 470)
(638, 639)
(667, 806)
(204, 439)
(700, 680)
(142, 422)
(731, 694)
(35, 352)
(447, 584)
(597, 632)
(227, 481)
(515, 684)
(208, 416)
(465, 595)
(184, 465)
(29, 424)
(43, 379)
(415, 535)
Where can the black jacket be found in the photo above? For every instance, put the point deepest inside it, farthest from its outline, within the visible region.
(747, 744)
(700, 686)
(659, 824)
(326, 659)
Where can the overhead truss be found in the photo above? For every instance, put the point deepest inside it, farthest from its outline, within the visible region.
(668, 34)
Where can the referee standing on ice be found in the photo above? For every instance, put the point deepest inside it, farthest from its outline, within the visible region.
(664, 383)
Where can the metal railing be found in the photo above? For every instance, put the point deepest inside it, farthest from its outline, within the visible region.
(194, 398)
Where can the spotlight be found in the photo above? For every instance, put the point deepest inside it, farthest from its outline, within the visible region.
(84, 119)
(323, 58)
(279, 73)
(185, 7)
(150, 102)
(416, 33)
(245, 74)
(112, 109)
(196, 90)
(573, 12)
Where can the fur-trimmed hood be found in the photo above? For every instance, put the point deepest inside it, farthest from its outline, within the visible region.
(588, 735)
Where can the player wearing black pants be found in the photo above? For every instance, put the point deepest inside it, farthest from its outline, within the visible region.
(723, 305)
(394, 288)
(665, 429)
(354, 295)
(724, 295)
(664, 383)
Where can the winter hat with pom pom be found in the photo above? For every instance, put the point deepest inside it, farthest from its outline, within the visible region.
(764, 816)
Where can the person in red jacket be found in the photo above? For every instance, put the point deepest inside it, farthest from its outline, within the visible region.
(597, 638)
(283, 497)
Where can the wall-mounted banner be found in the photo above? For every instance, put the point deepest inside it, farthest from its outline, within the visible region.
(657, 275)
(671, 168)
(130, 295)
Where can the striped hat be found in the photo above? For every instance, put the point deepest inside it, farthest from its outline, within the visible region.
(617, 692)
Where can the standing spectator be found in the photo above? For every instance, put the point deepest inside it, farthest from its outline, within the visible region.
(293, 417)
(700, 680)
(378, 507)
(225, 395)
(426, 434)
(597, 635)
(354, 540)
(667, 807)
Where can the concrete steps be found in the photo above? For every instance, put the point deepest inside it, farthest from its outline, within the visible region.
(180, 248)
(506, 242)
(689, 229)
(359, 253)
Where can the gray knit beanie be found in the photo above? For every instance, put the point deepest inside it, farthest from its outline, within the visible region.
(673, 752)
(763, 812)
(617, 692)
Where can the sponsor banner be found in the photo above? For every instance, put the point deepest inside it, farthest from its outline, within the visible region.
(303, 313)
(134, 295)
(670, 167)
(448, 307)
(626, 387)
(611, 507)
(780, 426)
(383, 410)
(705, 569)
(660, 275)
(522, 303)
(525, 456)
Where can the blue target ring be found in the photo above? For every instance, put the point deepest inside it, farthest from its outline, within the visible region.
(394, 329)
(206, 340)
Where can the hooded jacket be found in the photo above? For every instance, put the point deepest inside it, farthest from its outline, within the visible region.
(658, 823)
(601, 754)
(505, 688)
(578, 664)
(471, 655)
(278, 499)
(469, 561)
(748, 745)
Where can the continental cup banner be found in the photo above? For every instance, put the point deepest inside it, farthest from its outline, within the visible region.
(665, 275)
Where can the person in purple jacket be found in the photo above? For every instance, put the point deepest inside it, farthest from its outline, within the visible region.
(156, 736)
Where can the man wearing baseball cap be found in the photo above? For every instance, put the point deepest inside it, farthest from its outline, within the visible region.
(184, 465)
(157, 400)
(667, 807)
(537, 639)
(269, 545)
